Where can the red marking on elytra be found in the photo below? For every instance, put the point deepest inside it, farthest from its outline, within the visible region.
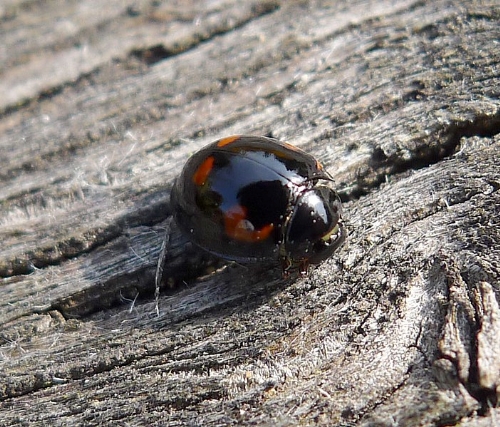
(292, 147)
(239, 228)
(226, 141)
(201, 174)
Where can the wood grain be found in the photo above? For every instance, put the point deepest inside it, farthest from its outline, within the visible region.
(101, 103)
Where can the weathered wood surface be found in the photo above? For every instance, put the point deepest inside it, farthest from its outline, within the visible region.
(100, 105)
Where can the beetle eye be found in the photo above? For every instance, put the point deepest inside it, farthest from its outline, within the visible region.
(315, 230)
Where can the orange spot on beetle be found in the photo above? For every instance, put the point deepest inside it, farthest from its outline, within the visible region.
(201, 174)
(240, 228)
(292, 147)
(226, 141)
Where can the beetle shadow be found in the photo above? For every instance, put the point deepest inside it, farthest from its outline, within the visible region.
(196, 282)
(233, 287)
(121, 273)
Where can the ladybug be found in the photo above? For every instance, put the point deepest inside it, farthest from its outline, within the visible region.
(255, 199)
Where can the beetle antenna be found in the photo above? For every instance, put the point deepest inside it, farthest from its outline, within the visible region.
(159, 271)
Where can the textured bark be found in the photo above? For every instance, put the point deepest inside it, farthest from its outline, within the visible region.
(100, 105)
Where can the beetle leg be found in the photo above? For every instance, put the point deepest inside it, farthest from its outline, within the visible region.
(286, 267)
(159, 269)
(303, 267)
(159, 274)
